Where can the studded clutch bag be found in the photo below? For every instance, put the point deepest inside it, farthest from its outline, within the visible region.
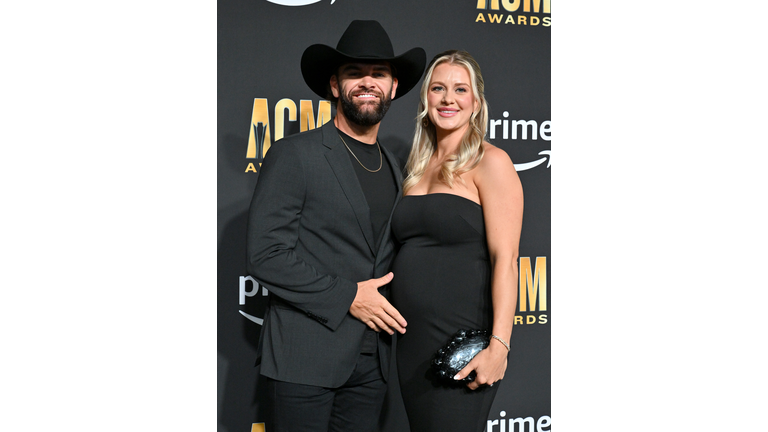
(458, 352)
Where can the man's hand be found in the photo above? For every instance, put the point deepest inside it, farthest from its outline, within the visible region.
(374, 310)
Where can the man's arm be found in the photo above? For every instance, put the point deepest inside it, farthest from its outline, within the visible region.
(273, 225)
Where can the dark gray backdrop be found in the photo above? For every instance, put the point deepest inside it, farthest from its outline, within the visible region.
(259, 48)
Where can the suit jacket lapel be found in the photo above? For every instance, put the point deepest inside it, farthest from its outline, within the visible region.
(397, 174)
(394, 165)
(339, 161)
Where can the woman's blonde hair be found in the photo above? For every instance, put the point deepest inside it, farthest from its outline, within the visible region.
(470, 150)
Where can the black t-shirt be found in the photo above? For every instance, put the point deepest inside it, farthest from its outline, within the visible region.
(379, 187)
(380, 192)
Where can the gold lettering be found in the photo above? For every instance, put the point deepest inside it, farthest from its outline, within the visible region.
(533, 284)
(481, 4)
(547, 21)
(480, 17)
(307, 114)
(259, 140)
(536, 22)
(258, 145)
(282, 105)
(511, 6)
(530, 319)
(250, 167)
(536, 5)
(542, 319)
(510, 19)
(521, 19)
(495, 18)
(518, 320)
(323, 112)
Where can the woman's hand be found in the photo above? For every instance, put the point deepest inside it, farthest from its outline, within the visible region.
(489, 364)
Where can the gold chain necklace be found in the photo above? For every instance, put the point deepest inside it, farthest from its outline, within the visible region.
(381, 158)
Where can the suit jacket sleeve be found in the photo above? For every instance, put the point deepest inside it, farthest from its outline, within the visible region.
(273, 230)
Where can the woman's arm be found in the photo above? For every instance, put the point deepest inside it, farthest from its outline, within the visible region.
(501, 196)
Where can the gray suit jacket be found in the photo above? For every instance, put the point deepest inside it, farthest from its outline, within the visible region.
(310, 241)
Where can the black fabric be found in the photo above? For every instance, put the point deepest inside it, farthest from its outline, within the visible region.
(379, 187)
(353, 407)
(370, 342)
(380, 193)
(442, 284)
(309, 242)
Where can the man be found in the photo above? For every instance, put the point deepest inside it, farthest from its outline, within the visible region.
(319, 240)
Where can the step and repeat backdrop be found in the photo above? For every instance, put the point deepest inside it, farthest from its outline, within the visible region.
(263, 98)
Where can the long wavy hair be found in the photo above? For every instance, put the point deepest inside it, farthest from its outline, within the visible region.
(470, 150)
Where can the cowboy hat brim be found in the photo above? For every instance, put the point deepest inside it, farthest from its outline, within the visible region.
(320, 61)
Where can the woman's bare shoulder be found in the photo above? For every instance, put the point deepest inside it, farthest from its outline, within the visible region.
(495, 158)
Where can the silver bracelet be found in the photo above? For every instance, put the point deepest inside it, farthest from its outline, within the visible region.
(506, 345)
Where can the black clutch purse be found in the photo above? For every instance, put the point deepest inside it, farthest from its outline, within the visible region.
(463, 347)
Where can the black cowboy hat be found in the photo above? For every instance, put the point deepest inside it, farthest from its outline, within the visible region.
(362, 41)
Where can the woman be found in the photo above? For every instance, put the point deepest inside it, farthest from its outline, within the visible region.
(459, 228)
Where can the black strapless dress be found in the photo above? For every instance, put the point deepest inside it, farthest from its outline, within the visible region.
(442, 284)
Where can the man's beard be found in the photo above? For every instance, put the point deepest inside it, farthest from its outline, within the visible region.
(356, 115)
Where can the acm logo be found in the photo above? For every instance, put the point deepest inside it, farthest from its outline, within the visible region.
(260, 138)
(543, 6)
(529, 7)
